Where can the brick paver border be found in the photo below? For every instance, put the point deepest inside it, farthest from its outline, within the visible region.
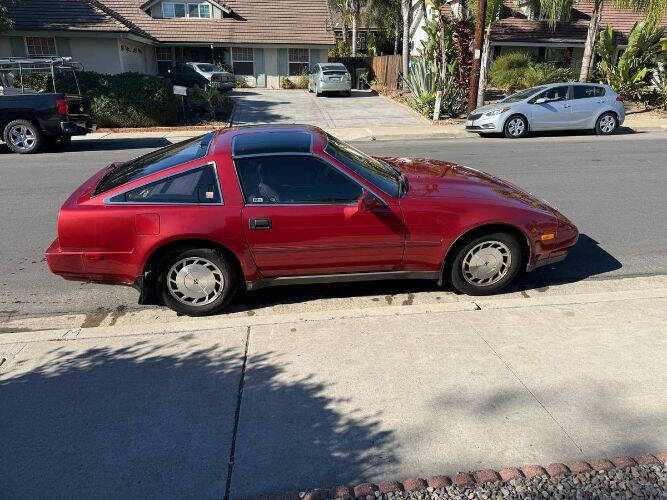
(465, 479)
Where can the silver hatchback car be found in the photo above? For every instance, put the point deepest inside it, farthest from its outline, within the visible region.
(329, 77)
(557, 106)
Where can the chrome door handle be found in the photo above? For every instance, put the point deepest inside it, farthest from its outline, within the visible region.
(567, 105)
(263, 223)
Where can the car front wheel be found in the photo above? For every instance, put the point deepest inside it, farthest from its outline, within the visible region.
(486, 264)
(197, 282)
(516, 127)
(606, 124)
(22, 136)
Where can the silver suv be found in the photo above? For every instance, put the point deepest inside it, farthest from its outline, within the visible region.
(557, 106)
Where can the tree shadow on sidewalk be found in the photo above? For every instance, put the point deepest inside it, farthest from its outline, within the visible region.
(147, 421)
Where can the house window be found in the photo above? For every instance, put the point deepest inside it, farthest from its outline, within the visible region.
(171, 10)
(202, 10)
(242, 60)
(299, 61)
(40, 46)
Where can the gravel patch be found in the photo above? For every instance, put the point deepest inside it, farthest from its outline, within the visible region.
(639, 481)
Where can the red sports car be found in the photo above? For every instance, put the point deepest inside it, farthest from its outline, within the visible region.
(190, 224)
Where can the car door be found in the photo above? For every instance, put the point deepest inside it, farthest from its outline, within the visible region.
(302, 217)
(552, 109)
(587, 103)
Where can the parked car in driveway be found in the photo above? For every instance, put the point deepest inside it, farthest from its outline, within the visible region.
(30, 120)
(191, 224)
(329, 77)
(193, 73)
(558, 106)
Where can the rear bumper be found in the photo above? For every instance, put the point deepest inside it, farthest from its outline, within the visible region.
(224, 85)
(77, 126)
(335, 86)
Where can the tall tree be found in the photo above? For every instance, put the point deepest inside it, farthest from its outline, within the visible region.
(355, 13)
(343, 9)
(654, 10)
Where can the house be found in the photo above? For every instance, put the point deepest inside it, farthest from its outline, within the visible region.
(520, 28)
(261, 40)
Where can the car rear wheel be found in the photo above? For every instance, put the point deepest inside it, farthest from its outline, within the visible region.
(197, 282)
(516, 127)
(486, 264)
(22, 136)
(606, 124)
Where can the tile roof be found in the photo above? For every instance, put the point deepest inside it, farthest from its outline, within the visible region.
(62, 15)
(514, 27)
(253, 21)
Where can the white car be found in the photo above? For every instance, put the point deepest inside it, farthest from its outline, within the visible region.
(329, 77)
(557, 106)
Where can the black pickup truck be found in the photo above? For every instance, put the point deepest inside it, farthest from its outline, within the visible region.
(30, 120)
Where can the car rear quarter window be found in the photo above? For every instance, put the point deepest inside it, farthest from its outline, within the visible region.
(162, 159)
(194, 186)
(588, 91)
(294, 180)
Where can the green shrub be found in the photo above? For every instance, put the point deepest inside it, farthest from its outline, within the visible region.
(303, 82)
(122, 100)
(241, 83)
(209, 100)
(287, 84)
(516, 71)
(453, 103)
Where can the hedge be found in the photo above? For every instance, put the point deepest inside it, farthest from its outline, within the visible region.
(122, 100)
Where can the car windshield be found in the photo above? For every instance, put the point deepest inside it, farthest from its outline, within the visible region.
(523, 94)
(207, 68)
(374, 171)
(176, 154)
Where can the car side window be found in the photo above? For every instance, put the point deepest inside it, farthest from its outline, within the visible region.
(195, 186)
(584, 91)
(554, 94)
(294, 180)
(599, 92)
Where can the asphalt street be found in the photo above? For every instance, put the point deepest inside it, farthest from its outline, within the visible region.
(613, 188)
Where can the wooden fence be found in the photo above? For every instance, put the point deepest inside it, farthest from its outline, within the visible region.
(385, 70)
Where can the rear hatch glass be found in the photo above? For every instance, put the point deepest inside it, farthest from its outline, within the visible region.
(336, 72)
(162, 159)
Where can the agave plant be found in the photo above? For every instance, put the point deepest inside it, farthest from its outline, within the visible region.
(423, 77)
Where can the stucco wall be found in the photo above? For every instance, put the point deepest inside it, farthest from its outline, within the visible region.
(271, 68)
(137, 57)
(96, 54)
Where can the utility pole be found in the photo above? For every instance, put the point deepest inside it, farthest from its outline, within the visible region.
(480, 21)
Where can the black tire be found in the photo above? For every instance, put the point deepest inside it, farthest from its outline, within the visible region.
(229, 275)
(509, 127)
(456, 271)
(22, 143)
(604, 122)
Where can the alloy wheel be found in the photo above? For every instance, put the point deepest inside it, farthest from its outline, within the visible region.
(195, 281)
(607, 124)
(22, 137)
(516, 127)
(486, 263)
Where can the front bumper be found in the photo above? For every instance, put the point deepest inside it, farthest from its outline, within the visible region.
(486, 124)
(224, 86)
(567, 236)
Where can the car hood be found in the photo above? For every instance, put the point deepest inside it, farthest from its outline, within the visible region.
(433, 179)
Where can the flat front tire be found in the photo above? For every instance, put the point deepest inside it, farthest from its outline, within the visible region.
(486, 264)
(515, 127)
(606, 124)
(197, 281)
(22, 136)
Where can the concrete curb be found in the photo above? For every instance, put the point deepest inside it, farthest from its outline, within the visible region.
(463, 480)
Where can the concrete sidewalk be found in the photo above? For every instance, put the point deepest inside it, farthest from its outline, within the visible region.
(335, 396)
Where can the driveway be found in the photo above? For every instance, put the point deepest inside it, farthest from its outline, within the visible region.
(362, 109)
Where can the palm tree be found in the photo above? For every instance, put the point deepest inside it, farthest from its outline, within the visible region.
(654, 9)
(406, 10)
(355, 10)
(342, 7)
